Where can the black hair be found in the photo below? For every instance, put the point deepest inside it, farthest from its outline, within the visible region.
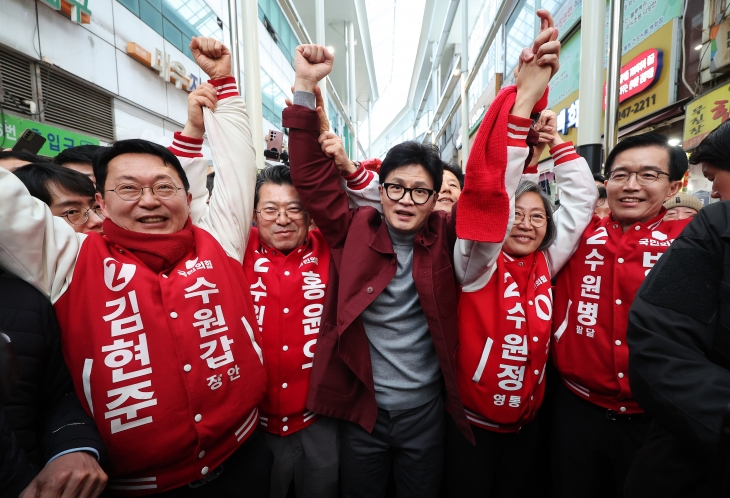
(602, 194)
(677, 158)
(134, 146)
(38, 177)
(411, 152)
(714, 148)
(23, 156)
(456, 171)
(277, 174)
(83, 154)
(597, 177)
(551, 230)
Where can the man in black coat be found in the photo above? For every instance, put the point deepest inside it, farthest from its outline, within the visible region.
(679, 363)
(42, 425)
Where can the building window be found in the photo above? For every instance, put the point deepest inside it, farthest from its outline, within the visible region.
(177, 20)
(521, 30)
(278, 27)
(272, 99)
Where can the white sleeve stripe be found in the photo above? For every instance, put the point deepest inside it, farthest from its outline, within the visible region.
(516, 137)
(518, 128)
(187, 146)
(359, 178)
(560, 155)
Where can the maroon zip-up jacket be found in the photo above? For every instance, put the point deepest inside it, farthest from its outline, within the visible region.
(362, 264)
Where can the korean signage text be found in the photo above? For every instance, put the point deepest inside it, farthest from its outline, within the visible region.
(56, 138)
(704, 114)
(170, 71)
(639, 74)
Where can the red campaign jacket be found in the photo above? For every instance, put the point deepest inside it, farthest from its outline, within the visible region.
(504, 339)
(593, 295)
(175, 346)
(288, 295)
(362, 264)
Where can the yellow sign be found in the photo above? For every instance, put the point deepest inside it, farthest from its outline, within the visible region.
(704, 114)
(661, 94)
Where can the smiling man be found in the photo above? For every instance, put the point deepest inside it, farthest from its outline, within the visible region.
(385, 353)
(165, 357)
(597, 425)
(288, 268)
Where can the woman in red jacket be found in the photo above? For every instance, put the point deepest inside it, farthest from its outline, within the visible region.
(505, 315)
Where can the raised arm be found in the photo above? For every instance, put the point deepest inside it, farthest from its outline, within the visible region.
(578, 192)
(314, 174)
(578, 197)
(475, 262)
(35, 245)
(230, 211)
(486, 207)
(187, 146)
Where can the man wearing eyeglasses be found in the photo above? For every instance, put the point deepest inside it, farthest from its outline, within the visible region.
(164, 351)
(69, 194)
(287, 265)
(386, 347)
(597, 425)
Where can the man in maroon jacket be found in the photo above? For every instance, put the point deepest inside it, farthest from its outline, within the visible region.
(388, 338)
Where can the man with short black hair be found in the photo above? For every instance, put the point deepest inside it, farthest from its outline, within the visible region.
(713, 155)
(69, 194)
(597, 425)
(12, 160)
(388, 337)
(288, 268)
(79, 159)
(451, 188)
(165, 356)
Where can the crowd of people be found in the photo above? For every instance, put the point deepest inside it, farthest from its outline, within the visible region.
(394, 328)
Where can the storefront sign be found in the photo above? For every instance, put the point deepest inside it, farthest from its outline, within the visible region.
(720, 46)
(638, 75)
(568, 117)
(77, 10)
(172, 72)
(704, 114)
(56, 138)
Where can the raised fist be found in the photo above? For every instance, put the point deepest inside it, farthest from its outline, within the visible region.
(212, 56)
(311, 64)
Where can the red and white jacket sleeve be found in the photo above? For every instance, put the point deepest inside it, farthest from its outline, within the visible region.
(228, 215)
(578, 198)
(35, 245)
(362, 188)
(475, 262)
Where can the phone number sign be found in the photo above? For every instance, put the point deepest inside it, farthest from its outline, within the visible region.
(56, 138)
(638, 75)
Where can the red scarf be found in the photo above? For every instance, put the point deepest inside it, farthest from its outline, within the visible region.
(158, 251)
(484, 195)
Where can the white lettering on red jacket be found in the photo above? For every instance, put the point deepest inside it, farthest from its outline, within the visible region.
(593, 295)
(288, 292)
(504, 337)
(505, 308)
(162, 348)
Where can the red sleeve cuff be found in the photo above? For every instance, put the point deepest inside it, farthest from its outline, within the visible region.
(531, 170)
(225, 87)
(563, 153)
(183, 146)
(517, 129)
(360, 179)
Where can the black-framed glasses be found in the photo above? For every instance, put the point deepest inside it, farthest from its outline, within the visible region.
(537, 220)
(396, 192)
(271, 213)
(642, 177)
(132, 191)
(80, 216)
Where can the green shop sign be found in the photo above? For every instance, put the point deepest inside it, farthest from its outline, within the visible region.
(56, 138)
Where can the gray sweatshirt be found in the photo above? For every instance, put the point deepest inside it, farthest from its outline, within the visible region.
(406, 369)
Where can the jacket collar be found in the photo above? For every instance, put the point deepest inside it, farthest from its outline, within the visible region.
(651, 224)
